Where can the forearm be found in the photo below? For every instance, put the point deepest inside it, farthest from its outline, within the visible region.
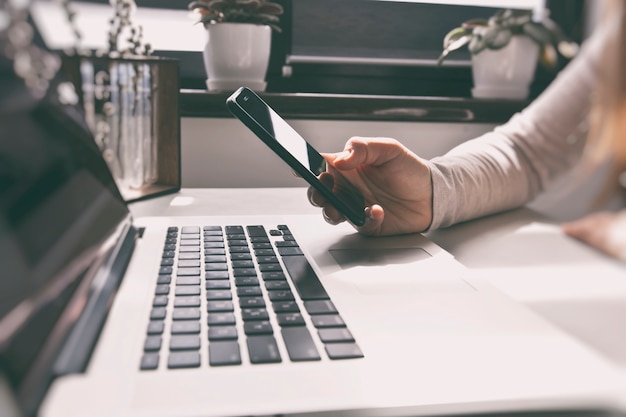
(511, 165)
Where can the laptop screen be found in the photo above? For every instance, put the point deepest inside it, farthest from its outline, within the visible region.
(58, 204)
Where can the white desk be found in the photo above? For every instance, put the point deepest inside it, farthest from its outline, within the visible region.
(521, 253)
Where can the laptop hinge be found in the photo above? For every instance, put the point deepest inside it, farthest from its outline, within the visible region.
(77, 349)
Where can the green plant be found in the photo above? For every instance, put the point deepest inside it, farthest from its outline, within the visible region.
(497, 31)
(260, 12)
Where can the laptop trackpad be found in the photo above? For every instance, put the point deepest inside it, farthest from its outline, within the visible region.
(350, 258)
(395, 270)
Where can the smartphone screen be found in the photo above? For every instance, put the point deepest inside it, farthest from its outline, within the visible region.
(297, 152)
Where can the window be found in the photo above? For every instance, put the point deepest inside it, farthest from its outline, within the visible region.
(327, 46)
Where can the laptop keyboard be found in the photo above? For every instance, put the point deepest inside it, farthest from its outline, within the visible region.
(224, 290)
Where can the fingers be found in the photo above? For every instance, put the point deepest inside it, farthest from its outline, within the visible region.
(365, 151)
(604, 231)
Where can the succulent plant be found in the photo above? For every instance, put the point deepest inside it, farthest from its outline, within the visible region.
(260, 12)
(497, 31)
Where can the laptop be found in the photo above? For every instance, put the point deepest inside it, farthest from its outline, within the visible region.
(104, 314)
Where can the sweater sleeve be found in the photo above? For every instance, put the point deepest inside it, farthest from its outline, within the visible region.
(509, 166)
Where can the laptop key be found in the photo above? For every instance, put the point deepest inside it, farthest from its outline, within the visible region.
(263, 349)
(222, 333)
(335, 335)
(149, 361)
(183, 359)
(185, 327)
(320, 307)
(224, 353)
(343, 351)
(155, 327)
(300, 345)
(305, 279)
(152, 343)
(327, 320)
(258, 327)
(184, 343)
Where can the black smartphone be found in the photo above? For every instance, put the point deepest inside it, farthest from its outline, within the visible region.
(279, 136)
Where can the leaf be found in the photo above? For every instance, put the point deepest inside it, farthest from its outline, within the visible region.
(454, 36)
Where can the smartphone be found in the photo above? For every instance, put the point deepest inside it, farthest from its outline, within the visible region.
(280, 137)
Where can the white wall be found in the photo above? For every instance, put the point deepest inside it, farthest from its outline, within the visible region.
(223, 153)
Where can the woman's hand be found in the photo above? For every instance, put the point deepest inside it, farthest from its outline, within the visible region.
(393, 180)
(605, 231)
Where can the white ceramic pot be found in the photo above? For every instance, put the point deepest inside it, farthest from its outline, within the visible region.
(237, 54)
(507, 72)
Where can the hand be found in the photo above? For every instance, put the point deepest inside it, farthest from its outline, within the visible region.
(394, 181)
(605, 231)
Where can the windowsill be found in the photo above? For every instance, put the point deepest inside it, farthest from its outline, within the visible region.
(202, 103)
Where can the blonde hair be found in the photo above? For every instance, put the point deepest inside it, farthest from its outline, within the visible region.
(607, 136)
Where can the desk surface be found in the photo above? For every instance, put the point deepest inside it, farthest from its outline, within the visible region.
(520, 252)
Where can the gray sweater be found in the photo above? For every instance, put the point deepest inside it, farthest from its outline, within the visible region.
(512, 164)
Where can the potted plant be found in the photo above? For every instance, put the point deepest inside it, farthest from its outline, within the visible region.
(505, 50)
(239, 35)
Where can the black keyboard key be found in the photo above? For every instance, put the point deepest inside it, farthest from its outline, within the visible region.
(211, 275)
(343, 351)
(155, 327)
(186, 313)
(164, 279)
(187, 290)
(212, 259)
(183, 359)
(158, 313)
(216, 295)
(188, 272)
(185, 327)
(244, 272)
(216, 266)
(217, 284)
(162, 289)
(189, 301)
(160, 301)
(152, 344)
(286, 307)
(243, 281)
(251, 302)
(189, 256)
(186, 342)
(258, 327)
(290, 251)
(214, 251)
(224, 353)
(277, 285)
(149, 361)
(300, 345)
(305, 279)
(335, 335)
(249, 291)
(188, 281)
(263, 349)
(254, 314)
(278, 295)
(220, 306)
(189, 263)
(274, 276)
(256, 230)
(320, 307)
(222, 333)
(219, 319)
(327, 320)
(243, 263)
(290, 319)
